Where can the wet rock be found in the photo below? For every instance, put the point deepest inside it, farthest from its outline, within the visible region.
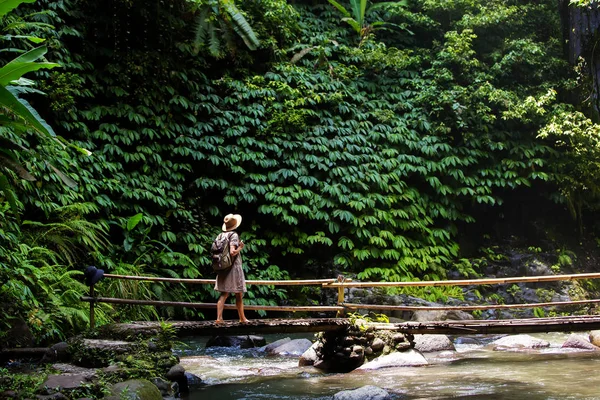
(292, 348)
(363, 393)
(192, 379)
(409, 358)
(579, 342)
(430, 343)
(595, 338)
(308, 357)
(519, 342)
(136, 389)
(377, 345)
(243, 342)
(98, 353)
(268, 348)
(56, 383)
(58, 352)
(177, 374)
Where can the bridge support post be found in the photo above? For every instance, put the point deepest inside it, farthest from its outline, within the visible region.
(92, 317)
(340, 302)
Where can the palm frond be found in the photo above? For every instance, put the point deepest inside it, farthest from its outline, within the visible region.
(340, 8)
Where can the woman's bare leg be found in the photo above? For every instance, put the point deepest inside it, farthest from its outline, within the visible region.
(239, 304)
(221, 306)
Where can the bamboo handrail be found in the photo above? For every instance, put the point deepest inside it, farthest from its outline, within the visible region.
(212, 281)
(356, 306)
(466, 282)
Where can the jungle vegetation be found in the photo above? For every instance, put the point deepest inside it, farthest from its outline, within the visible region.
(357, 138)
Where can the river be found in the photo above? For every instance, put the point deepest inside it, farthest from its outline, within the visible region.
(473, 371)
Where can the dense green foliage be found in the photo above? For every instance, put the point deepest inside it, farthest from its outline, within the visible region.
(355, 154)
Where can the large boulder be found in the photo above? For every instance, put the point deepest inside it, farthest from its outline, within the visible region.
(519, 342)
(364, 393)
(579, 342)
(309, 357)
(136, 389)
(431, 343)
(58, 352)
(595, 338)
(269, 347)
(294, 347)
(409, 358)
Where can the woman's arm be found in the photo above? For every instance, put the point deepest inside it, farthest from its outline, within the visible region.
(235, 250)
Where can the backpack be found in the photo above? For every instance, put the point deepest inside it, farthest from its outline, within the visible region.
(219, 251)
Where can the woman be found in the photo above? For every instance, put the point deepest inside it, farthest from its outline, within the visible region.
(232, 280)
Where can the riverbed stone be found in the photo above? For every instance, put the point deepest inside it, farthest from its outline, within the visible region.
(309, 357)
(363, 393)
(269, 347)
(377, 345)
(579, 342)
(431, 343)
(519, 342)
(294, 347)
(68, 382)
(58, 352)
(595, 338)
(409, 358)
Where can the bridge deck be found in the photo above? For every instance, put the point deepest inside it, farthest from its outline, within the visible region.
(264, 326)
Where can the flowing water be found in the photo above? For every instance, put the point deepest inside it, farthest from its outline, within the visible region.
(471, 372)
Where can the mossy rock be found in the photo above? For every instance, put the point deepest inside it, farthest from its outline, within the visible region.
(135, 389)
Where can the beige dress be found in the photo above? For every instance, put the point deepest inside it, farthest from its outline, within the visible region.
(233, 280)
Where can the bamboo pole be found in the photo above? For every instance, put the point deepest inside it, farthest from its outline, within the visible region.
(212, 281)
(465, 282)
(355, 306)
(92, 315)
(208, 305)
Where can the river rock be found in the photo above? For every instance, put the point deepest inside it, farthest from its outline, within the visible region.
(136, 389)
(243, 342)
(377, 345)
(363, 393)
(309, 357)
(595, 338)
(294, 347)
(58, 352)
(431, 343)
(408, 358)
(579, 342)
(268, 348)
(519, 342)
(56, 383)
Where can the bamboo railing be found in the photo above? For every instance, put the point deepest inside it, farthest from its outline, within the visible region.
(341, 284)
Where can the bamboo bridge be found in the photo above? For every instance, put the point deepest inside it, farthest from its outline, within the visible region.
(338, 322)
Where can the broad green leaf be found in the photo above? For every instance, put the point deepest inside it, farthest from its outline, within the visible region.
(133, 221)
(21, 108)
(7, 6)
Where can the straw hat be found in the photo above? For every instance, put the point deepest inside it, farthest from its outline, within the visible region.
(231, 221)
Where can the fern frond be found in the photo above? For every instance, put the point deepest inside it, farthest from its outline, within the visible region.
(241, 26)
